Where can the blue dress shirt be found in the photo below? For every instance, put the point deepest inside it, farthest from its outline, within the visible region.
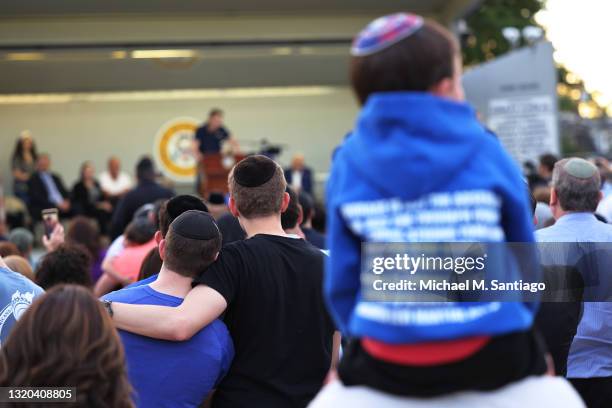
(591, 351)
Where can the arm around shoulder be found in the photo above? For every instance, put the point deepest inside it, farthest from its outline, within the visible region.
(201, 306)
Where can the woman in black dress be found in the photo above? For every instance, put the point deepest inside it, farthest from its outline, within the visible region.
(88, 200)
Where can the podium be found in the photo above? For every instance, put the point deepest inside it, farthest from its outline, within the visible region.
(214, 171)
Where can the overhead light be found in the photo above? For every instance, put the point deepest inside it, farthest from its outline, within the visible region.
(25, 56)
(177, 94)
(282, 51)
(119, 54)
(163, 53)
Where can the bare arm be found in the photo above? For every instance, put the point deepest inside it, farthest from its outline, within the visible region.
(201, 306)
(336, 350)
(234, 144)
(20, 175)
(105, 284)
(196, 150)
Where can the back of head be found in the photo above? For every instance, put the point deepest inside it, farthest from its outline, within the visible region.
(401, 52)
(548, 161)
(84, 231)
(216, 198)
(139, 231)
(145, 170)
(577, 184)
(23, 240)
(70, 263)
(257, 185)
(291, 217)
(176, 206)
(192, 243)
(20, 265)
(307, 204)
(8, 248)
(66, 339)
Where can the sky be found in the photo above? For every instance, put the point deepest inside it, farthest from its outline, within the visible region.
(580, 31)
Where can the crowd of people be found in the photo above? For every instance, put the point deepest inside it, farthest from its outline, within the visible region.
(245, 301)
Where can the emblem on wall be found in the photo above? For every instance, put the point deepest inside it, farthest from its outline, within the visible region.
(174, 149)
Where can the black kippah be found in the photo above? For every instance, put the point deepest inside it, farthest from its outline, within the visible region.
(181, 203)
(194, 224)
(254, 171)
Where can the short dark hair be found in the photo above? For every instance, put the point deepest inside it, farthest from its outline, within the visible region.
(265, 199)
(307, 203)
(415, 63)
(548, 161)
(291, 216)
(145, 169)
(174, 207)
(215, 112)
(139, 231)
(69, 263)
(8, 248)
(187, 256)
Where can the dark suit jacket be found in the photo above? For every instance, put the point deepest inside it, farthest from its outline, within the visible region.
(82, 203)
(144, 193)
(38, 195)
(306, 178)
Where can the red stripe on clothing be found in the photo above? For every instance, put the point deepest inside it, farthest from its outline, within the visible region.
(425, 354)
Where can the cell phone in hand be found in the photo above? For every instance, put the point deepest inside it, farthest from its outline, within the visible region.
(50, 218)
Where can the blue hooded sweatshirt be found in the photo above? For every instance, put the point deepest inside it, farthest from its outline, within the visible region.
(410, 153)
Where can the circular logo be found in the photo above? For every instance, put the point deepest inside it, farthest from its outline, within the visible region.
(174, 149)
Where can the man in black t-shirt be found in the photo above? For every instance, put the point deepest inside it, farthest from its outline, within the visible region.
(270, 288)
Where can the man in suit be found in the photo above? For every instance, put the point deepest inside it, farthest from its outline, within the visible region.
(299, 176)
(47, 190)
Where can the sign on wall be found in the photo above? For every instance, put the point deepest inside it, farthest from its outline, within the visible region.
(516, 97)
(173, 150)
(526, 126)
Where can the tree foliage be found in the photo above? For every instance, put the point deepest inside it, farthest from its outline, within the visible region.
(485, 40)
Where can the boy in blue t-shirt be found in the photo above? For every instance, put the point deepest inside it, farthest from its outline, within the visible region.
(177, 374)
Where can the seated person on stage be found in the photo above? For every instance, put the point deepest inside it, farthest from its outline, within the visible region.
(46, 189)
(114, 182)
(87, 198)
(176, 374)
(299, 176)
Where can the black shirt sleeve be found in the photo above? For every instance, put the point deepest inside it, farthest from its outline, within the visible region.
(224, 274)
(224, 132)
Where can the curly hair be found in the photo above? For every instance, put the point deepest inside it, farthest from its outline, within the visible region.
(66, 339)
(69, 263)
